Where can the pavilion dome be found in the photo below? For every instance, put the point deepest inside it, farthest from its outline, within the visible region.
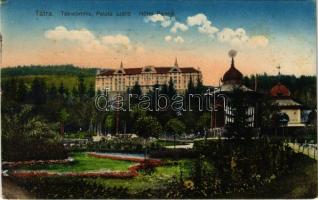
(232, 75)
(280, 90)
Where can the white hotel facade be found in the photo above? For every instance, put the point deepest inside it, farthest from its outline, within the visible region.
(118, 81)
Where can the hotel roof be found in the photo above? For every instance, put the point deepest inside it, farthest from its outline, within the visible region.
(158, 70)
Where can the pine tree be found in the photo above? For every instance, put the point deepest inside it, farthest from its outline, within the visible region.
(240, 124)
(199, 87)
(191, 88)
(136, 89)
(74, 92)
(164, 89)
(22, 91)
(61, 89)
(81, 87)
(91, 91)
(53, 92)
(171, 89)
(38, 91)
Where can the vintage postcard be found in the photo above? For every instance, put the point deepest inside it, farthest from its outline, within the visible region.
(160, 99)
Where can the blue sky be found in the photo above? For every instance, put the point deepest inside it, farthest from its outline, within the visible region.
(283, 32)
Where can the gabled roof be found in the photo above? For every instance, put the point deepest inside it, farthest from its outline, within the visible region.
(159, 70)
(132, 71)
(287, 103)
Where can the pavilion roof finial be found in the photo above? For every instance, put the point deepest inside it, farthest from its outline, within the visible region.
(232, 54)
(121, 65)
(279, 67)
(176, 63)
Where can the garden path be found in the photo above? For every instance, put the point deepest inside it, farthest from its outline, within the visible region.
(12, 191)
(187, 146)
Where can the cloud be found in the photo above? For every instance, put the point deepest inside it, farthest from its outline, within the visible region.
(196, 20)
(168, 38)
(239, 37)
(258, 41)
(62, 33)
(178, 26)
(179, 40)
(234, 37)
(165, 21)
(84, 37)
(116, 41)
(204, 25)
(89, 42)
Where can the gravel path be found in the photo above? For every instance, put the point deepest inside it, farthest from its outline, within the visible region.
(11, 191)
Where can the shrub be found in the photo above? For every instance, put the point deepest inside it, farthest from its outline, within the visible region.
(240, 165)
(174, 153)
(131, 145)
(33, 150)
(70, 187)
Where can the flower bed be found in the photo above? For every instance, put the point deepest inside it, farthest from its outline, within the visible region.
(6, 165)
(107, 174)
(132, 170)
(117, 157)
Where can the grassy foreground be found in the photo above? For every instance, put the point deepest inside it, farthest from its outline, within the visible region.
(83, 162)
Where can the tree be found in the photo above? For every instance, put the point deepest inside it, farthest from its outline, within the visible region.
(203, 122)
(146, 127)
(266, 110)
(22, 91)
(176, 127)
(164, 89)
(63, 117)
(38, 91)
(12, 89)
(74, 92)
(191, 88)
(91, 91)
(81, 87)
(199, 87)
(62, 89)
(171, 90)
(280, 119)
(109, 122)
(312, 118)
(26, 136)
(53, 92)
(136, 89)
(240, 124)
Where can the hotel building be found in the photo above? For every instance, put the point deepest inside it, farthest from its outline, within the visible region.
(119, 80)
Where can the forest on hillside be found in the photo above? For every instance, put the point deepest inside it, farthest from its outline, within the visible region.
(302, 88)
(47, 70)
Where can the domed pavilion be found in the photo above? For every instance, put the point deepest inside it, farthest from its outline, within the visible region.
(231, 80)
(281, 97)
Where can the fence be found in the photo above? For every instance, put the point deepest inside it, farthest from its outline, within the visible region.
(304, 148)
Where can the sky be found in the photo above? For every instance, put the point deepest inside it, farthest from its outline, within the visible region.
(199, 33)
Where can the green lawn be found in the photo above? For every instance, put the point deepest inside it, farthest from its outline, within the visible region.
(139, 183)
(83, 162)
(143, 181)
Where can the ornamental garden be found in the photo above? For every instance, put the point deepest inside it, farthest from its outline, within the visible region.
(56, 144)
